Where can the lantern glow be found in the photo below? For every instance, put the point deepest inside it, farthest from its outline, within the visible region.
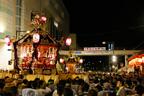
(43, 18)
(36, 37)
(68, 41)
(81, 61)
(138, 61)
(7, 40)
(61, 60)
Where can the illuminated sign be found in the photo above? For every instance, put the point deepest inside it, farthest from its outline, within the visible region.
(94, 48)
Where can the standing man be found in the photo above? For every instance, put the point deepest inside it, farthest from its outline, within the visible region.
(121, 91)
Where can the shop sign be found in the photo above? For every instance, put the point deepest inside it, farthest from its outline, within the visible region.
(94, 48)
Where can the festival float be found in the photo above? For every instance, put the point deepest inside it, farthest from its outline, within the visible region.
(37, 49)
(71, 63)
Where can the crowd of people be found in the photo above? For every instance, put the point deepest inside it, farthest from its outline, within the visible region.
(92, 85)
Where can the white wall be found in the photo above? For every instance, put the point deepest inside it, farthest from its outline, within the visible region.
(5, 56)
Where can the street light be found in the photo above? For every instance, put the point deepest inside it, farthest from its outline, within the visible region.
(1, 29)
(109, 42)
(113, 57)
(22, 31)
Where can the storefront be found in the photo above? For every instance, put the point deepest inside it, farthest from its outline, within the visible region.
(136, 62)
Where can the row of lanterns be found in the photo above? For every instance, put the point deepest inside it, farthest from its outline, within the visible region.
(137, 60)
(36, 38)
(62, 60)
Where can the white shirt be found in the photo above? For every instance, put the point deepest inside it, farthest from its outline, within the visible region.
(54, 93)
(44, 91)
(30, 92)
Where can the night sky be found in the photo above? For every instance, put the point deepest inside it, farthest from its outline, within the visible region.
(121, 21)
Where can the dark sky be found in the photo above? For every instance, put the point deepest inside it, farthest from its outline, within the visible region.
(121, 21)
(94, 21)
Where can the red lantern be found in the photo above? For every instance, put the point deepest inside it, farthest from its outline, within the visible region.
(130, 63)
(68, 41)
(138, 61)
(143, 60)
(81, 61)
(36, 37)
(43, 18)
(61, 60)
(8, 40)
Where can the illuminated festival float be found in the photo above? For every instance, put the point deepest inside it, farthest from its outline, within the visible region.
(71, 63)
(37, 49)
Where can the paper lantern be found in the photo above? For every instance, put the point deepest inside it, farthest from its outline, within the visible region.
(130, 63)
(138, 61)
(7, 40)
(68, 41)
(61, 60)
(43, 18)
(143, 60)
(81, 61)
(36, 37)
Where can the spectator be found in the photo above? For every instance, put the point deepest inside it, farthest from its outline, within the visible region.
(128, 87)
(1, 88)
(60, 87)
(92, 92)
(42, 86)
(106, 89)
(121, 91)
(67, 92)
(138, 90)
(83, 89)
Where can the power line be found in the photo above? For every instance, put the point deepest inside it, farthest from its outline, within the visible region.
(111, 32)
(139, 45)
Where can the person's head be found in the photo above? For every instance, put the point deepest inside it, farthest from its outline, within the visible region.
(92, 93)
(29, 85)
(106, 85)
(120, 83)
(68, 83)
(113, 85)
(98, 88)
(20, 85)
(25, 81)
(139, 80)
(14, 90)
(139, 89)
(67, 92)
(60, 88)
(37, 79)
(50, 82)
(83, 87)
(134, 83)
(2, 81)
(42, 84)
(8, 80)
(21, 76)
(1, 87)
(128, 83)
(114, 79)
(35, 84)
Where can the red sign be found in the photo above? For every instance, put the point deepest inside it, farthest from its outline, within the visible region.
(94, 48)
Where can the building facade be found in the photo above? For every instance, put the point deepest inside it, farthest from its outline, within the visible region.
(16, 16)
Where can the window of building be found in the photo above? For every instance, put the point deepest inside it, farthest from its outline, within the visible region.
(18, 17)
